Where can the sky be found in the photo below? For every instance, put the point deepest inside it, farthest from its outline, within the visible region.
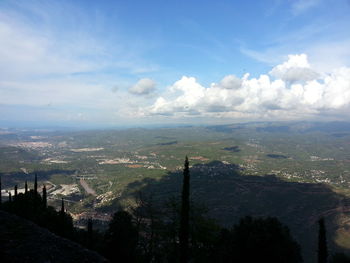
(127, 63)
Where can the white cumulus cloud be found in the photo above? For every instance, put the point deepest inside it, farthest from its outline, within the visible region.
(143, 87)
(297, 68)
(290, 90)
(231, 82)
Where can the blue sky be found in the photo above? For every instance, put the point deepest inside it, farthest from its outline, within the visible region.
(108, 63)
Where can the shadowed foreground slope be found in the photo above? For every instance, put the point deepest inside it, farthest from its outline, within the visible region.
(231, 196)
(23, 241)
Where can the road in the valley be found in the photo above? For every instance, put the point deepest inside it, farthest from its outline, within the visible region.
(87, 188)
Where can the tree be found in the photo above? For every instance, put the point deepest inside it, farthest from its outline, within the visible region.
(322, 252)
(25, 188)
(64, 222)
(62, 207)
(185, 211)
(0, 192)
(148, 218)
(44, 197)
(121, 238)
(30, 206)
(339, 258)
(35, 184)
(257, 240)
(16, 192)
(89, 234)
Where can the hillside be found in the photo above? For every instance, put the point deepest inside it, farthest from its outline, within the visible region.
(23, 241)
(229, 196)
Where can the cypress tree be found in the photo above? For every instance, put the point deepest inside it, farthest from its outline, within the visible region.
(185, 210)
(322, 242)
(25, 187)
(44, 197)
(62, 207)
(15, 191)
(36, 197)
(0, 192)
(89, 233)
(36, 185)
(89, 226)
(121, 238)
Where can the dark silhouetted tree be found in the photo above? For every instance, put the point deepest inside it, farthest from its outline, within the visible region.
(339, 258)
(322, 252)
(31, 206)
(25, 187)
(65, 222)
(0, 192)
(35, 194)
(184, 217)
(148, 217)
(44, 197)
(257, 240)
(62, 207)
(121, 238)
(35, 184)
(16, 192)
(89, 233)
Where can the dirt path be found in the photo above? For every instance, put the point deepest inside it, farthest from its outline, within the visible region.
(87, 188)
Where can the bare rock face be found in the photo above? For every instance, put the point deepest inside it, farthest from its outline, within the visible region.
(23, 241)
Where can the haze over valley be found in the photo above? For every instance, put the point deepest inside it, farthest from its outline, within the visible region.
(101, 103)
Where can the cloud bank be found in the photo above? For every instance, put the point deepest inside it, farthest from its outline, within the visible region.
(291, 90)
